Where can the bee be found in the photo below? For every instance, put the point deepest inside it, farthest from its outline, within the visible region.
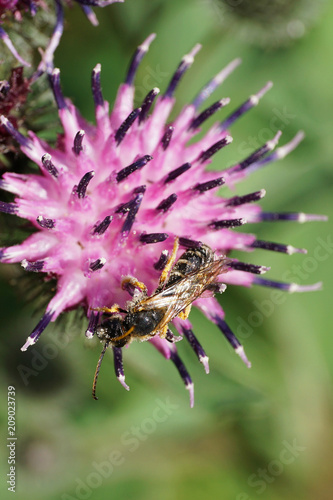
(193, 275)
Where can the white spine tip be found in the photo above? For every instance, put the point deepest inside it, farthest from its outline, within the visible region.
(89, 334)
(277, 136)
(291, 250)
(241, 353)
(28, 343)
(302, 218)
(92, 17)
(323, 218)
(273, 142)
(145, 45)
(224, 101)
(205, 362)
(254, 99)
(225, 72)
(195, 50)
(189, 58)
(190, 388)
(299, 136)
(3, 120)
(294, 287)
(290, 146)
(236, 62)
(121, 379)
(265, 89)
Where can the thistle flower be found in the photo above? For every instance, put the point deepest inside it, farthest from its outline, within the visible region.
(110, 200)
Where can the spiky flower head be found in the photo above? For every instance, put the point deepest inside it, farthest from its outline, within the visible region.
(111, 198)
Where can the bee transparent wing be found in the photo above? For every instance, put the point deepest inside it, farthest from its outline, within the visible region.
(176, 298)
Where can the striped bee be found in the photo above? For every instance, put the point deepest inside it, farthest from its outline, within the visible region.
(194, 275)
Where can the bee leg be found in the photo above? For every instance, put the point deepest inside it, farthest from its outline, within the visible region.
(129, 283)
(110, 310)
(163, 332)
(169, 264)
(185, 312)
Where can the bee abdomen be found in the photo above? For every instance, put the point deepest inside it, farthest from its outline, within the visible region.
(191, 260)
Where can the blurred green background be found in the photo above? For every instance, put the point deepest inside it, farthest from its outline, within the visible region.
(260, 433)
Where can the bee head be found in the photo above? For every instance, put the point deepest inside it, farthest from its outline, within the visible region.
(110, 329)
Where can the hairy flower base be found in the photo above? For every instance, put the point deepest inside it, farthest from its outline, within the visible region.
(111, 199)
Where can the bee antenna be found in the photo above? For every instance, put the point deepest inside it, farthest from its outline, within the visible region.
(97, 370)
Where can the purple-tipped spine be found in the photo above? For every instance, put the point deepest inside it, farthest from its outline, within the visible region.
(153, 237)
(137, 58)
(81, 188)
(165, 141)
(177, 172)
(125, 126)
(126, 171)
(205, 155)
(48, 165)
(96, 86)
(100, 228)
(167, 203)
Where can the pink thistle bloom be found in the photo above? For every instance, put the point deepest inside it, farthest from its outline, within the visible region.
(111, 199)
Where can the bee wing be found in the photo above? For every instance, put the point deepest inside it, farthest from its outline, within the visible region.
(175, 298)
